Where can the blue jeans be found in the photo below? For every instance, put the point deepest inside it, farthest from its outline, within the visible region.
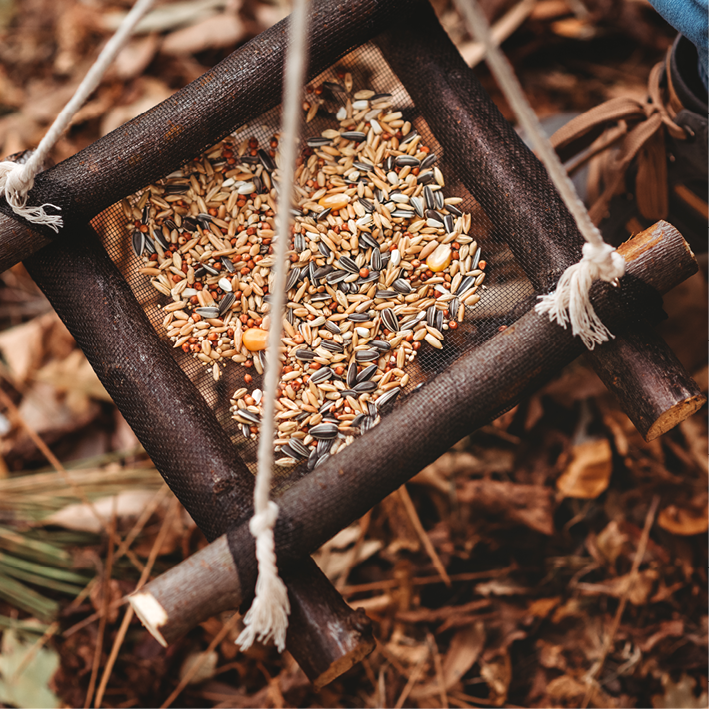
(690, 18)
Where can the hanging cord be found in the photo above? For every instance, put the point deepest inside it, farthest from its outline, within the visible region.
(268, 616)
(570, 301)
(17, 180)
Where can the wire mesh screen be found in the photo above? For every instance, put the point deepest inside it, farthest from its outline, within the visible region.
(487, 268)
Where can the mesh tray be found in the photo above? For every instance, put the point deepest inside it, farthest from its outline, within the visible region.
(506, 285)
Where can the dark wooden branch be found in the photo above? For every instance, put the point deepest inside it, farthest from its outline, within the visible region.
(649, 380)
(656, 391)
(183, 437)
(494, 376)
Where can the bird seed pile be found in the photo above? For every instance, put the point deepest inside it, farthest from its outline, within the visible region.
(380, 265)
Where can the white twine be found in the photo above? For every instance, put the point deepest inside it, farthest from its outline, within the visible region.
(570, 301)
(268, 616)
(17, 180)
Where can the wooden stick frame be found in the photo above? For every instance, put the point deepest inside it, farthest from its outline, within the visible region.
(494, 376)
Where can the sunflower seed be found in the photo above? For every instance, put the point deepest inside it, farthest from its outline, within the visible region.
(454, 210)
(402, 286)
(226, 302)
(368, 206)
(332, 346)
(390, 320)
(207, 312)
(430, 199)
(358, 317)
(321, 375)
(476, 259)
(332, 327)
(323, 215)
(248, 416)
(293, 278)
(387, 398)
(368, 240)
(336, 276)
(354, 135)
(348, 264)
(266, 160)
(305, 355)
(323, 431)
(351, 379)
(412, 134)
(366, 355)
(428, 160)
(448, 223)
(317, 142)
(382, 345)
(403, 160)
(366, 374)
(138, 242)
(465, 285)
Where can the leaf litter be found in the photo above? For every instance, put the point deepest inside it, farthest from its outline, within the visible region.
(553, 558)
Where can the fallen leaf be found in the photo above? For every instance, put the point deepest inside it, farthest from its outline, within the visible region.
(223, 30)
(81, 517)
(638, 589)
(73, 374)
(530, 505)
(570, 690)
(612, 542)
(153, 92)
(31, 687)
(167, 17)
(464, 649)
(134, 58)
(589, 471)
(497, 673)
(683, 521)
(21, 346)
(680, 694)
(207, 667)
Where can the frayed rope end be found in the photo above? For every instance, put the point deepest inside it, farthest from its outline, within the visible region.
(267, 619)
(15, 184)
(570, 302)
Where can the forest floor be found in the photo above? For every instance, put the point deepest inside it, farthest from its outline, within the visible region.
(575, 552)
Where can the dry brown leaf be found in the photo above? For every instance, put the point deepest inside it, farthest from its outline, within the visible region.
(134, 58)
(73, 374)
(153, 92)
(680, 694)
(497, 673)
(572, 691)
(80, 517)
(612, 542)
(638, 589)
(464, 650)
(224, 30)
(684, 521)
(589, 472)
(530, 505)
(541, 607)
(21, 346)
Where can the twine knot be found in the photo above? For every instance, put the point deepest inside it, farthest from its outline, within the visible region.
(570, 302)
(16, 180)
(267, 618)
(264, 521)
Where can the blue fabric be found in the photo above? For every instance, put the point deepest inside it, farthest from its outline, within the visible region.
(691, 18)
